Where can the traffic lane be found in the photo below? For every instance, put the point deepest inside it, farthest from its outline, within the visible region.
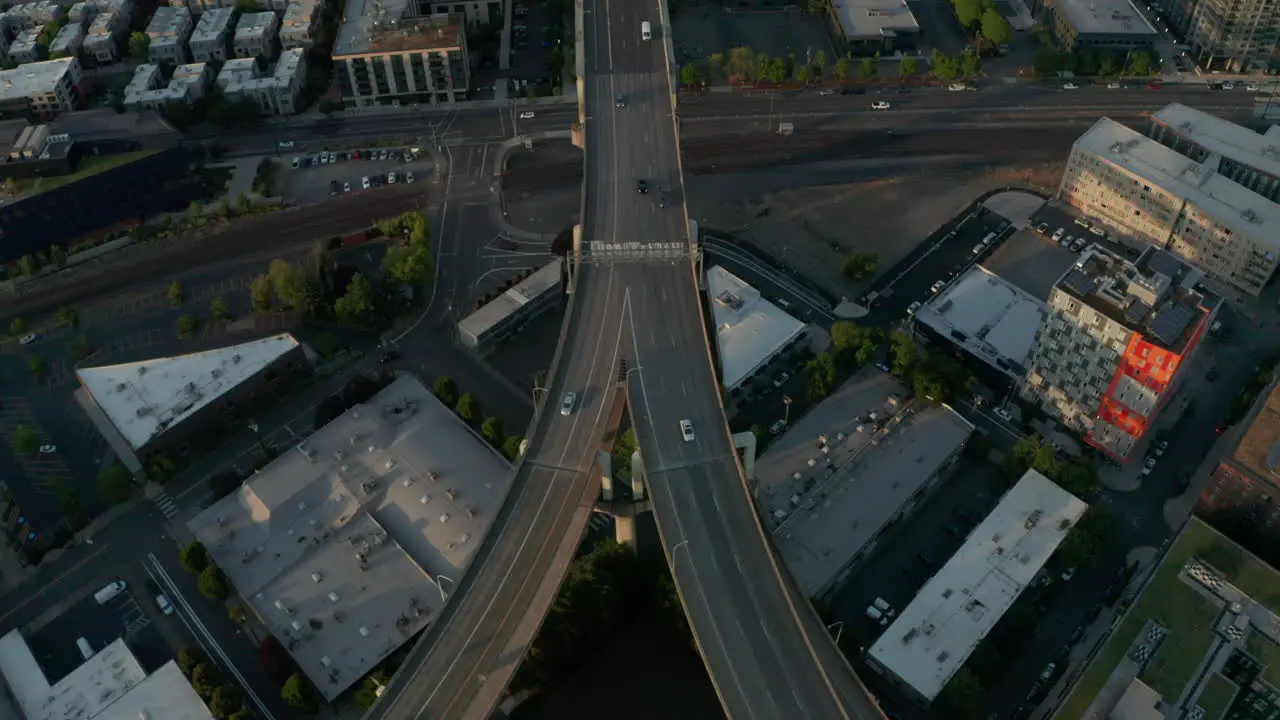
(57, 581)
(544, 118)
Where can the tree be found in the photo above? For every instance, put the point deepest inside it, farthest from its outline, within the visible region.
(944, 67)
(820, 376)
(224, 701)
(194, 557)
(1139, 62)
(189, 658)
(867, 68)
(28, 265)
(1107, 64)
(290, 284)
(176, 293)
(410, 264)
(1046, 62)
(968, 12)
(114, 484)
(904, 352)
(970, 64)
(139, 46)
(741, 65)
(511, 447)
(357, 304)
(690, 75)
(995, 28)
(468, 408)
(908, 67)
(17, 326)
(219, 309)
(861, 266)
(801, 73)
(187, 325)
(213, 584)
(853, 346)
(296, 693)
(843, 66)
(964, 697)
(820, 63)
(68, 316)
(195, 213)
(37, 367)
(491, 430)
(241, 714)
(24, 440)
(161, 468)
(446, 390)
(204, 680)
(818, 7)
(57, 256)
(261, 296)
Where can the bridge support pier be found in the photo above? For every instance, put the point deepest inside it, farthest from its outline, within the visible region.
(696, 249)
(637, 476)
(605, 461)
(624, 530)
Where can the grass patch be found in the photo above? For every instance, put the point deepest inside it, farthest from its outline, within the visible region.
(1268, 654)
(89, 165)
(1169, 601)
(1215, 696)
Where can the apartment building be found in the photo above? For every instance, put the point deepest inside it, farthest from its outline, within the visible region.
(169, 30)
(28, 15)
(382, 57)
(4, 44)
(105, 34)
(148, 91)
(301, 20)
(41, 89)
(1198, 198)
(256, 35)
(197, 7)
(486, 12)
(68, 41)
(25, 47)
(275, 92)
(211, 39)
(1234, 35)
(1107, 358)
(1114, 26)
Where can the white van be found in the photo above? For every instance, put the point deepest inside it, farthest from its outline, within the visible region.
(646, 31)
(86, 650)
(884, 607)
(109, 591)
(877, 616)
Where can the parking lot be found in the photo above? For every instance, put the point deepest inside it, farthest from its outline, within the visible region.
(703, 31)
(538, 29)
(312, 178)
(43, 468)
(125, 615)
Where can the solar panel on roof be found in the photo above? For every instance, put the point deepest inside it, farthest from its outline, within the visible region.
(1165, 264)
(1168, 324)
(1079, 283)
(1136, 311)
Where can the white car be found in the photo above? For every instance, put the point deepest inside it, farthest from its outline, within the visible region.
(1113, 86)
(1251, 87)
(957, 87)
(364, 182)
(28, 339)
(526, 115)
(570, 402)
(938, 286)
(48, 449)
(686, 430)
(1070, 86)
(391, 178)
(323, 159)
(1004, 414)
(1057, 234)
(880, 105)
(163, 603)
(285, 144)
(1098, 231)
(1149, 466)
(911, 309)
(346, 187)
(1228, 86)
(781, 380)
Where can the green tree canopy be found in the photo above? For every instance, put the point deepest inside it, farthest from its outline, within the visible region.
(261, 294)
(28, 265)
(176, 293)
(468, 408)
(139, 46)
(114, 484)
(446, 390)
(189, 658)
(194, 557)
(219, 309)
(17, 326)
(297, 693)
(357, 305)
(213, 584)
(410, 264)
(843, 67)
(867, 68)
(861, 266)
(68, 316)
(290, 284)
(491, 429)
(908, 67)
(511, 447)
(968, 12)
(187, 325)
(25, 440)
(995, 28)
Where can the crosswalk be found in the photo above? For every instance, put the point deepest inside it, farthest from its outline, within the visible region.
(166, 505)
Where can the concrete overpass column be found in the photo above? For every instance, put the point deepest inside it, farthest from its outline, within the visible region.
(746, 442)
(637, 476)
(606, 475)
(624, 530)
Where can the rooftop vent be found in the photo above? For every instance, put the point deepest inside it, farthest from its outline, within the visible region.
(333, 597)
(121, 387)
(316, 577)
(142, 369)
(364, 631)
(235, 359)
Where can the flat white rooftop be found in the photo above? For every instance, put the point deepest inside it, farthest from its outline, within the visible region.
(143, 399)
(164, 694)
(874, 19)
(37, 77)
(91, 690)
(1224, 137)
(990, 318)
(351, 527)
(956, 608)
(213, 23)
(749, 329)
(824, 508)
(1233, 205)
(1118, 17)
(544, 281)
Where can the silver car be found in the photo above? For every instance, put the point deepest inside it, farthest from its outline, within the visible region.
(570, 402)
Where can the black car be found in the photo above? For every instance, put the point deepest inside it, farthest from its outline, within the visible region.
(621, 101)
(642, 186)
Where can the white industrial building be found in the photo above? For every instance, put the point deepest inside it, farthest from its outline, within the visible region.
(503, 316)
(25, 46)
(68, 41)
(41, 89)
(991, 319)
(212, 36)
(111, 685)
(935, 634)
(750, 331)
(256, 35)
(301, 19)
(848, 470)
(148, 91)
(395, 496)
(275, 92)
(169, 30)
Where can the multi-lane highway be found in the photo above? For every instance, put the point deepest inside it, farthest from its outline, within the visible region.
(729, 113)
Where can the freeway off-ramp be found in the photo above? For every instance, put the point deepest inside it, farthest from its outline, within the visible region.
(729, 113)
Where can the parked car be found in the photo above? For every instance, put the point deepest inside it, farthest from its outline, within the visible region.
(777, 427)
(28, 339)
(880, 105)
(1113, 86)
(1070, 86)
(526, 115)
(48, 449)
(163, 603)
(938, 286)
(408, 177)
(781, 380)
(913, 307)
(1003, 414)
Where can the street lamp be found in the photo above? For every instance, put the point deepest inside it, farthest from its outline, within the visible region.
(786, 405)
